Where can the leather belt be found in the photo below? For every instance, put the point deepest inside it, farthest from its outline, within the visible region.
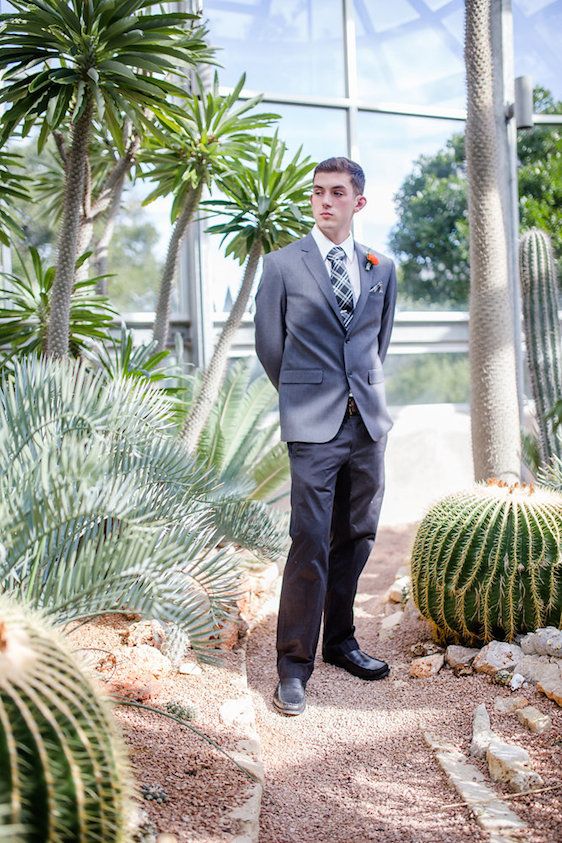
(352, 409)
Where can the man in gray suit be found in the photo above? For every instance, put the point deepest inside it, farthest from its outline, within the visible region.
(324, 314)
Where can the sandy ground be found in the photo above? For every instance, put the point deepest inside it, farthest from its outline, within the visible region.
(354, 767)
(200, 785)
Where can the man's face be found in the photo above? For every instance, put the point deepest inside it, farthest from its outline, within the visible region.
(334, 202)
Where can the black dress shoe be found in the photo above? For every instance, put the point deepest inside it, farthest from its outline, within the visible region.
(359, 664)
(289, 697)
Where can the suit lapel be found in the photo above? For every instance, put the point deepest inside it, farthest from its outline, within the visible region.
(368, 279)
(315, 265)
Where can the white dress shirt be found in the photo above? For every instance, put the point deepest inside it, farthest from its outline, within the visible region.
(352, 265)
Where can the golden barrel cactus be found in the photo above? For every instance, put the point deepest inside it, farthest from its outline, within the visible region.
(63, 774)
(487, 562)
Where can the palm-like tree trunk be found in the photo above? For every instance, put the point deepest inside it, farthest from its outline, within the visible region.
(494, 416)
(214, 374)
(63, 285)
(101, 246)
(162, 315)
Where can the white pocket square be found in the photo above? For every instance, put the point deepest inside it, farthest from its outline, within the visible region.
(376, 288)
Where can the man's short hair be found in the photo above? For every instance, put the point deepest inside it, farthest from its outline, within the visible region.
(344, 165)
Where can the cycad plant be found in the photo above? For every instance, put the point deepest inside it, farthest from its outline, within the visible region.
(267, 206)
(84, 58)
(214, 135)
(100, 511)
(25, 308)
(486, 562)
(241, 438)
(64, 773)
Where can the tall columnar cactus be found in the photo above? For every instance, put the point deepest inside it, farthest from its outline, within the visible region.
(486, 562)
(496, 442)
(63, 774)
(542, 333)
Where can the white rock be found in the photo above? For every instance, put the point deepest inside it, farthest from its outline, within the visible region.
(190, 669)
(482, 734)
(552, 689)
(509, 705)
(238, 713)
(427, 666)
(400, 590)
(492, 814)
(534, 720)
(495, 656)
(511, 764)
(390, 623)
(546, 641)
(166, 838)
(460, 658)
(149, 659)
(145, 632)
(538, 668)
(517, 680)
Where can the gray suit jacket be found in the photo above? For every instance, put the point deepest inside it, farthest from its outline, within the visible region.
(306, 351)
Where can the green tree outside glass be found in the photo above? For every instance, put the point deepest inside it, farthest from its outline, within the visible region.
(431, 237)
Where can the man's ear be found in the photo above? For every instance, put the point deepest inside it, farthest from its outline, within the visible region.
(360, 203)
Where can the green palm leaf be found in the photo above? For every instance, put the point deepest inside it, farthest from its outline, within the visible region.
(268, 203)
(56, 53)
(13, 189)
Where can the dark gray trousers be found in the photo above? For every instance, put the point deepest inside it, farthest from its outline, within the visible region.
(336, 494)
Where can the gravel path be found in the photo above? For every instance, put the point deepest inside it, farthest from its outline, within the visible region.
(355, 766)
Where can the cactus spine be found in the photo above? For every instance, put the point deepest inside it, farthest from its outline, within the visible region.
(486, 563)
(542, 333)
(64, 777)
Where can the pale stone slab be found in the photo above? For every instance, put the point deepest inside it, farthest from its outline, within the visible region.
(238, 713)
(546, 641)
(539, 669)
(482, 734)
(459, 658)
(552, 689)
(509, 705)
(427, 666)
(399, 590)
(534, 720)
(190, 669)
(390, 623)
(150, 660)
(511, 764)
(492, 814)
(495, 656)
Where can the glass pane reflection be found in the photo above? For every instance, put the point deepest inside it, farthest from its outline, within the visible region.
(537, 31)
(290, 46)
(389, 145)
(411, 53)
(322, 133)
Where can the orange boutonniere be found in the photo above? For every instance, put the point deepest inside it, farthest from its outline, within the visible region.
(372, 260)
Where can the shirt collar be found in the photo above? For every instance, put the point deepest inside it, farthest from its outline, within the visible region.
(325, 244)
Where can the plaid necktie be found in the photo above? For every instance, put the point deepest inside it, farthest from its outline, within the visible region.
(341, 283)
